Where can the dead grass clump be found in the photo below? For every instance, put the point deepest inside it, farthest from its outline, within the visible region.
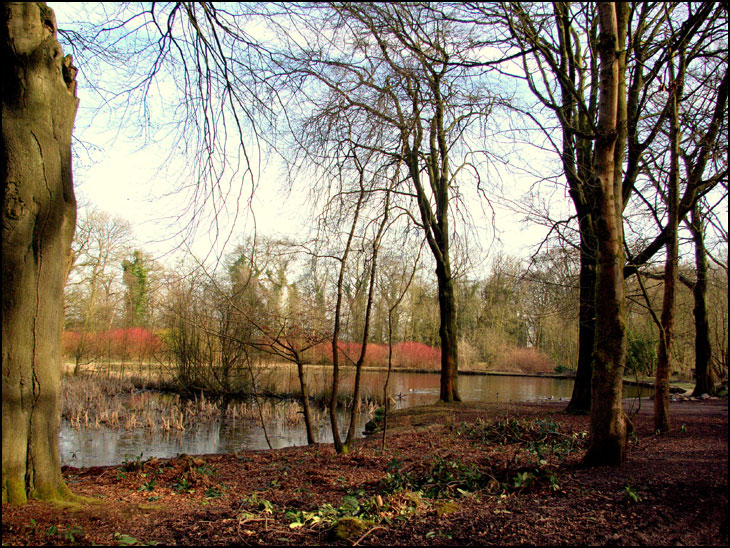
(95, 402)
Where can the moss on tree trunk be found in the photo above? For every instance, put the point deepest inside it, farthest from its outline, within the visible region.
(609, 424)
(39, 215)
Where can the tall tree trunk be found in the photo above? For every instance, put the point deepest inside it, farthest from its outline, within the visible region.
(609, 425)
(705, 382)
(580, 401)
(436, 225)
(576, 154)
(437, 236)
(666, 334)
(39, 216)
(355, 409)
(447, 330)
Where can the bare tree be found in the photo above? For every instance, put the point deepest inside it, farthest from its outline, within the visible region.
(579, 73)
(671, 266)
(93, 292)
(695, 100)
(393, 304)
(610, 426)
(208, 340)
(285, 330)
(560, 46)
(401, 76)
(705, 383)
(214, 64)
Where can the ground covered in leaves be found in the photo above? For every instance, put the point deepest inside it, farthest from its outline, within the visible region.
(450, 474)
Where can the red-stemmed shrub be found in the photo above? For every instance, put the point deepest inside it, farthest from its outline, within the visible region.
(415, 355)
(134, 343)
(72, 343)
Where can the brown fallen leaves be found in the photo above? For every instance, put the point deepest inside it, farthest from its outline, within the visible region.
(440, 480)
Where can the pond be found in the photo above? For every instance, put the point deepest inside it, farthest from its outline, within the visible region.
(84, 447)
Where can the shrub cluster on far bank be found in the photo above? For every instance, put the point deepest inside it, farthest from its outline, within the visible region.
(138, 344)
(406, 355)
(130, 344)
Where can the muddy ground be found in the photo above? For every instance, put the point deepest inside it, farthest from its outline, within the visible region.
(460, 474)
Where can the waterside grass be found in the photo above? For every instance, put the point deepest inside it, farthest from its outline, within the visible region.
(95, 401)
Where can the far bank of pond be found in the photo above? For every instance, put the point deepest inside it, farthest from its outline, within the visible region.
(82, 446)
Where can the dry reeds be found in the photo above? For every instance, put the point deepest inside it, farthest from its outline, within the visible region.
(102, 402)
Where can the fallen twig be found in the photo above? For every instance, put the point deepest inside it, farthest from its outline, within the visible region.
(367, 533)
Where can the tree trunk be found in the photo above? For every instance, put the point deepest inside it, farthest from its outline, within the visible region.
(666, 335)
(39, 217)
(580, 401)
(311, 440)
(705, 382)
(447, 331)
(577, 151)
(609, 425)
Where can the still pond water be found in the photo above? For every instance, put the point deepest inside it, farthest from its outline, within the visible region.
(84, 447)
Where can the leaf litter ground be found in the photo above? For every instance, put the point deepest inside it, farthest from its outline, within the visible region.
(461, 474)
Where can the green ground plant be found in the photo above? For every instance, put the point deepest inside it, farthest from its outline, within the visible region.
(630, 495)
(183, 485)
(69, 534)
(440, 479)
(147, 486)
(132, 465)
(253, 504)
(540, 437)
(214, 492)
(328, 514)
(123, 539)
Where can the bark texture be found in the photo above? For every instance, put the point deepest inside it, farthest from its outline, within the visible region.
(39, 215)
(609, 424)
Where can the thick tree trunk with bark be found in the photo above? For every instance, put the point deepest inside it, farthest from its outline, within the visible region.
(609, 425)
(39, 215)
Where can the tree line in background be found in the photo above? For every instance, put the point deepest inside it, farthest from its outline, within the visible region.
(521, 316)
(400, 117)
